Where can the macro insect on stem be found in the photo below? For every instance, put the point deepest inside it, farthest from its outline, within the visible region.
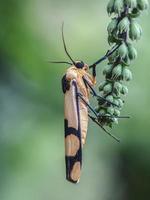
(77, 85)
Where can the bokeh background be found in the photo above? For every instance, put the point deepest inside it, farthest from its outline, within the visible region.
(31, 106)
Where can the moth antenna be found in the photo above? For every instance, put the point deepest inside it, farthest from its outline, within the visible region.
(64, 43)
(60, 62)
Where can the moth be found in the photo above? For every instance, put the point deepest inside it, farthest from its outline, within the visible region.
(77, 85)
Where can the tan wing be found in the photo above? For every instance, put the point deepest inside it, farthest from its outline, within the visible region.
(73, 149)
(76, 124)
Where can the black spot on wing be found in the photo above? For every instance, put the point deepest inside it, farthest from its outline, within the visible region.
(70, 130)
(71, 160)
(65, 84)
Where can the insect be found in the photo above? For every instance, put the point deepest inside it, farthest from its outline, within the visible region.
(77, 84)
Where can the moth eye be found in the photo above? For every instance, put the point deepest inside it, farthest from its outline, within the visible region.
(80, 65)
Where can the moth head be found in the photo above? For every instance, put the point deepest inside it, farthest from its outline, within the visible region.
(81, 65)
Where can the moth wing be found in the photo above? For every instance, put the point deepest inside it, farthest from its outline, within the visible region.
(73, 147)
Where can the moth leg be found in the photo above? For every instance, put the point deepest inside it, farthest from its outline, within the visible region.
(94, 71)
(109, 53)
(87, 104)
(96, 95)
(95, 120)
(95, 113)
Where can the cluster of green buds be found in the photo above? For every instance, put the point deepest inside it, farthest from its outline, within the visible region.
(122, 31)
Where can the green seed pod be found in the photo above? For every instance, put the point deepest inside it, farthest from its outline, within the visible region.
(110, 98)
(135, 32)
(101, 102)
(107, 69)
(123, 25)
(131, 3)
(127, 74)
(113, 57)
(118, 87)
(107, 88)
(135, 13)
(115, 120)
(126, 61)
(102, 111)
(107, 114)
(110, 110)
(143, 4)
(123, 50)
(117, 35)
(118, 7)
(116, 102)
(110, 7)
(97, 109)
(124, 90)
(115, 93)
(102, 84)
(112, 39)
(120, 103)
(117, 112)
(112, 25)
(117, 71)
(132, 52)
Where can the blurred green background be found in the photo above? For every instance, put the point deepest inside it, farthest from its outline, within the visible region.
(31, 106)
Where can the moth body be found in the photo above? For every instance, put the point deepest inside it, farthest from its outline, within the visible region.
(76, 117)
